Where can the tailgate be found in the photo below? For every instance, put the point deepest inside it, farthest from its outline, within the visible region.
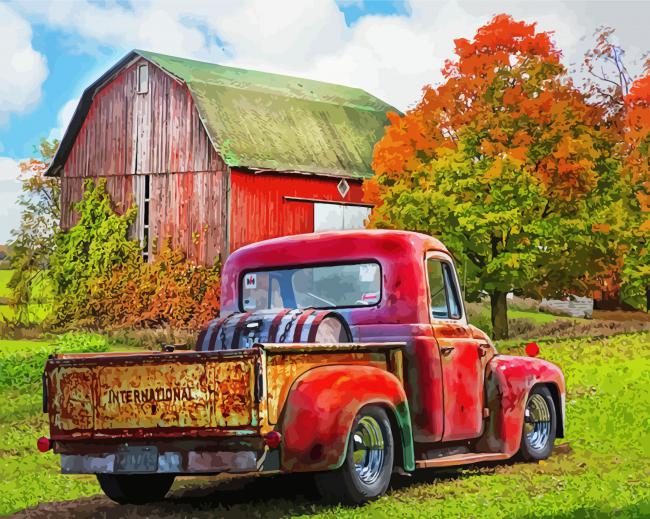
(151, 395)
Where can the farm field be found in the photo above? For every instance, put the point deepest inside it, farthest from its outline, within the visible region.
(5, 276)
(599, 470)
(41, 294)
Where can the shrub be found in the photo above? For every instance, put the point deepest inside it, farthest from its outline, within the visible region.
(170, 291)
(20, 368)
(89, 251)
(101, 281)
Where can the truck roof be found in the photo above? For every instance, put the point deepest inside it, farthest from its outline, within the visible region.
(323, 247)
(399, 253)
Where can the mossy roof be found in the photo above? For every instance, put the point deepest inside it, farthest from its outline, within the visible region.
(264, 121)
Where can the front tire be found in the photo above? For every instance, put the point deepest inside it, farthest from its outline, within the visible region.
(135, 488)
(540, 424)
(368, 464)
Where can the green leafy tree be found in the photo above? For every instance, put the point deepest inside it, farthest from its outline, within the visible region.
(504, 161)
(33, 241)
(624, 102)
(636, 172)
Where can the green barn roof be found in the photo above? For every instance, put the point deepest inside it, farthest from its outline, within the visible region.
(265, 121)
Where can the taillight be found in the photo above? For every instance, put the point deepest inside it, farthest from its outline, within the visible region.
(273, 439)
(44, 444)
(532, 350)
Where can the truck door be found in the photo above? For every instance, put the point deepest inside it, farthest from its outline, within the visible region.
(461, 356)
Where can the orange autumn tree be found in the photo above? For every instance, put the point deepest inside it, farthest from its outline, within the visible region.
(504, 162)
(636, 173)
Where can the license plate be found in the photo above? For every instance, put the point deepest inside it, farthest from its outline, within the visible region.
(136, 459)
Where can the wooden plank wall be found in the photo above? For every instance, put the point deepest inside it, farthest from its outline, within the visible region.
(158, 133)
(259, 210)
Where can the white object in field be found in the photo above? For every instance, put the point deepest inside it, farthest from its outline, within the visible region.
(573, 306)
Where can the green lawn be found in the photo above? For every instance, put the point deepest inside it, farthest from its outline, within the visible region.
(38, 312)
(537, 317)
(601, 470)
(41, 293)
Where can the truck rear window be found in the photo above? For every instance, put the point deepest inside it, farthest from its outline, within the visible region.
(331, 286)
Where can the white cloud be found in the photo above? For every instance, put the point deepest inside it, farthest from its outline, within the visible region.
(394, 57)
(10, 188)
(156, 26)
(390, 56)
(22, 69)
(63, 119)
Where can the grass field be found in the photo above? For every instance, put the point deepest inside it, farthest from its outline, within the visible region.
(5, 276)
(41, 294)
(535, 317)
(601, 468)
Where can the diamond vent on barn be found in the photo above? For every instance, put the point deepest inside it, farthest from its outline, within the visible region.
(343, 188)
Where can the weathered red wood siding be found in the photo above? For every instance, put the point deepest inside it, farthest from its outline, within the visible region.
(259, 209)
(126, 135)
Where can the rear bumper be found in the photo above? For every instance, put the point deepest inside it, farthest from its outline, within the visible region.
(170, 463)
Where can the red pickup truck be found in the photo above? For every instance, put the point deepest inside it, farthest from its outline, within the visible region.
(346, 355)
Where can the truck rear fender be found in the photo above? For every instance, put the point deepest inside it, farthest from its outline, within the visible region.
(321, 406)
(509, 380)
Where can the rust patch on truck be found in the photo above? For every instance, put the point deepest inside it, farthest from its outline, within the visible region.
(150, 393)
(282, 371)
(72, 410)
(150, 396)
(234, 384)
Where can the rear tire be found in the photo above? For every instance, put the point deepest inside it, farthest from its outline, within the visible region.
(368, 464)
(135, 488)
(540, 424)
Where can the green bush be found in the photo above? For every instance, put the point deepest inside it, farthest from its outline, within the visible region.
(21, 368)
(100, 280)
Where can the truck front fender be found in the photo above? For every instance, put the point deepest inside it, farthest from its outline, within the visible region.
(321, 406)
(509, 380)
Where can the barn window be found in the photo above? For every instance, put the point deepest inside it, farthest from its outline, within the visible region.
(336, 217)
(143, 79)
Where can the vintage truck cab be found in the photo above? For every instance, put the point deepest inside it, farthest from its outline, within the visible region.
(347, 355)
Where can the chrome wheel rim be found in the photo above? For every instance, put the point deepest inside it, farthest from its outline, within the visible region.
(537, 422)
(368, 449)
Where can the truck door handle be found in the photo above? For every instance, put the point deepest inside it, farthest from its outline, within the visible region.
(446, 350)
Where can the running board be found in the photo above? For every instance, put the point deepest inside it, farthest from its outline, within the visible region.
(461, 459)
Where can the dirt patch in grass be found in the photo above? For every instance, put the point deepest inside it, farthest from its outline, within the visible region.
(592, 327)
(620, 315)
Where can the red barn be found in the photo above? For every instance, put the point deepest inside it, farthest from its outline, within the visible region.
(218, 157)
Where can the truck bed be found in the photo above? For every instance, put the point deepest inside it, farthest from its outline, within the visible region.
(188, 394)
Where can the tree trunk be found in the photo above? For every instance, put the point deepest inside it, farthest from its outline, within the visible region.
(647, 299)
(499, 307)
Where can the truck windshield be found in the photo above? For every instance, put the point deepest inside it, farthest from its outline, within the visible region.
(332, 286)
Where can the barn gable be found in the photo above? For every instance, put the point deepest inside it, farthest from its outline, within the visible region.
(149, 146)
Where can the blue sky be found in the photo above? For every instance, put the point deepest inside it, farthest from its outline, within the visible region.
(51, 50)
(71, 70)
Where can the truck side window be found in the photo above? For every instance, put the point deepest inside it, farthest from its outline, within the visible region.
(452, 295)
(442, 289)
